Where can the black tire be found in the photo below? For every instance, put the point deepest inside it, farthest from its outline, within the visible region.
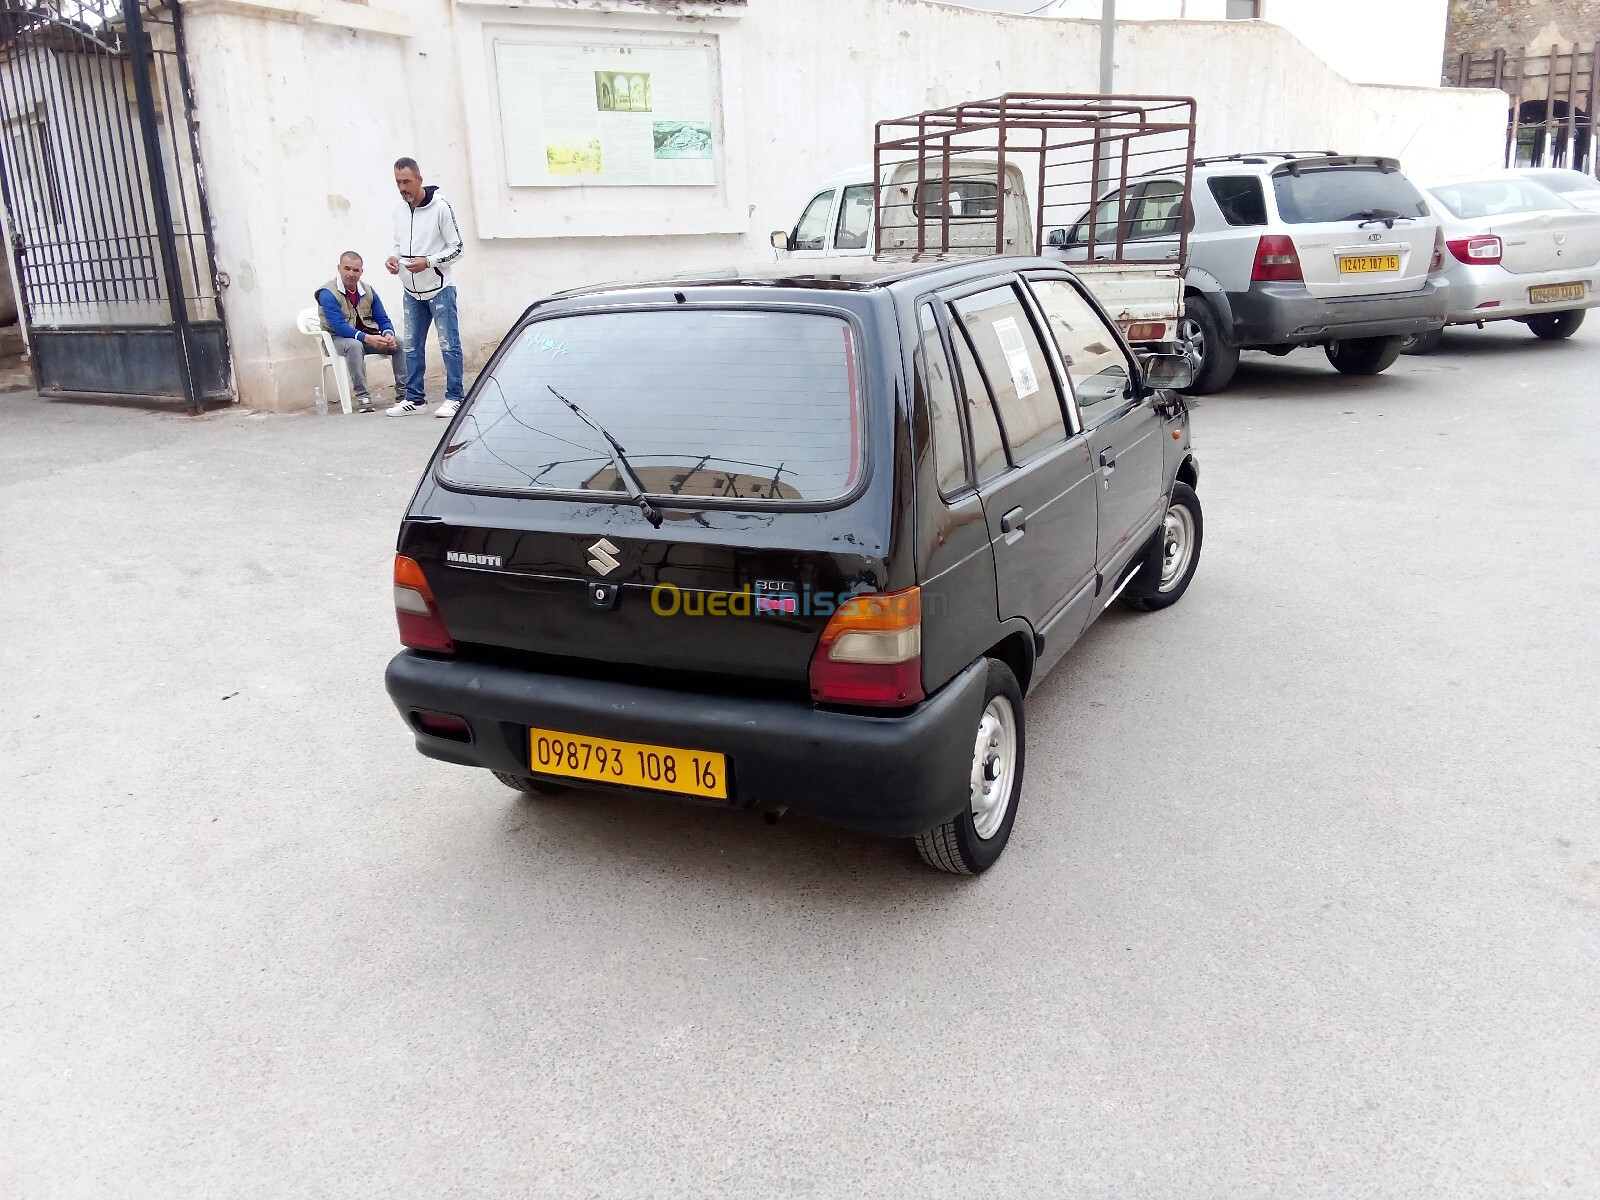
(531, 787)
(1201, 337)
(1151, 589)
(957, 846)
(1552, 327)
(1364, 356)
(1423, 343)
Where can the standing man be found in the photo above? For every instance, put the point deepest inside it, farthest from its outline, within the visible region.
(427, 241)
(353, 314)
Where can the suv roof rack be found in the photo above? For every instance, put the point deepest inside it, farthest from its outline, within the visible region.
(1264, 155)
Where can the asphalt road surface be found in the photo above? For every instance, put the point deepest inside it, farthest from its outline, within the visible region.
(1303, 898)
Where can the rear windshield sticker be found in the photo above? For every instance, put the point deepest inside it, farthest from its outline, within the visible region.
(1016, 352)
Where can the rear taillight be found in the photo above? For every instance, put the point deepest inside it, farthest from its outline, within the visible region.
(421, 627)
(1147, 331)
(871, 652)
(1276, 260)
(1482, 251)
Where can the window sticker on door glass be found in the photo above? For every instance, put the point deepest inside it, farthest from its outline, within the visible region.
(1016, 352)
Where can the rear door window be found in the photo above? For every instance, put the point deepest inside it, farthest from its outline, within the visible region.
(1241, 199)
(1014, 362)
(812, 232)
(1096, 365)
(1329, 194)
(750, 406)
(988, 447)
(944, 407)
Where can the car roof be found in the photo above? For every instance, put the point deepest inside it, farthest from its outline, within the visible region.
(825, 274)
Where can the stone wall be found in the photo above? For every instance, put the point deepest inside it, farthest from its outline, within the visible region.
(1481, 26)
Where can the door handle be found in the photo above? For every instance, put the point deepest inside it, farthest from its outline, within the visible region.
(1108, 461)
(1013, 522)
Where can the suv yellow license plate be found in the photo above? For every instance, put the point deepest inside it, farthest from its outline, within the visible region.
(1365, 264)
(1555, 293)
(630, 764)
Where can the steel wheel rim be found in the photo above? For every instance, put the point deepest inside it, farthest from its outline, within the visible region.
(1193, 340)
(1177, 544)
(994, 767)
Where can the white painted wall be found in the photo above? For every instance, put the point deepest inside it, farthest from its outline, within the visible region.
(1367, 41)
(300, 123)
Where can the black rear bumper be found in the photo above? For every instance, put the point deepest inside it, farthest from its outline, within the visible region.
(1274, 314)
(893, 775)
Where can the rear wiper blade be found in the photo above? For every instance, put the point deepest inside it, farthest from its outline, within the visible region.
(1374, 216)
(619, 460)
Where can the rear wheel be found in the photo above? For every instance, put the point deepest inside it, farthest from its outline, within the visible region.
(1555, 326)
(1423, 343)
(1364, 356)
(1200, 337)
(972, 841)
(1174, 553)
(532, 787)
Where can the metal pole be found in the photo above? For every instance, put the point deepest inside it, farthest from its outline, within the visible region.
(139, 59)
(1108, 43)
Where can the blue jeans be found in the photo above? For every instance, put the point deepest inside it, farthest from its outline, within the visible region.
(439, 310)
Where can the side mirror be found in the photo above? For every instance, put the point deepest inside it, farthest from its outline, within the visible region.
(1166, 371)
(1058, 237)
(780, 240)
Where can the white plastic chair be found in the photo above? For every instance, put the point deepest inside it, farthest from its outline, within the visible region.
(309, 322)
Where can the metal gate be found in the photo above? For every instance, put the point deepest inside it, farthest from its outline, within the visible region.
(1553, 99)
(109, 233)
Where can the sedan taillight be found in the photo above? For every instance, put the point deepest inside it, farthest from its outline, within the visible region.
(1482, 251)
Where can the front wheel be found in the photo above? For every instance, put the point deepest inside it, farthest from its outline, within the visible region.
(1174, 553)
(1364, 356)
(972, 841)
(1553, 327)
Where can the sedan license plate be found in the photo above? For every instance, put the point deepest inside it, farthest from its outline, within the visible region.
(1366, 264)
(1555, 293)
(631, 764)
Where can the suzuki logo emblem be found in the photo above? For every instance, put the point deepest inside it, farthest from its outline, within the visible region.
(1374, 237)
(600, 557)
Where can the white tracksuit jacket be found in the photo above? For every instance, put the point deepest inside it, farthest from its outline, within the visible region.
(428, 231)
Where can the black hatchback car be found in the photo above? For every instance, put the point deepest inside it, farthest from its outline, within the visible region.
(799, 542)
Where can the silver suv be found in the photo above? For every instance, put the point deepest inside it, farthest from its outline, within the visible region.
(1285, 250)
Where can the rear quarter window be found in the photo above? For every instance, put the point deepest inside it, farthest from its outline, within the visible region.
(1331, 194)
(1241, 198)
(751, 406)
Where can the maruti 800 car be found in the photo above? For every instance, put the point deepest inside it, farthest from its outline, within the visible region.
(799, 542)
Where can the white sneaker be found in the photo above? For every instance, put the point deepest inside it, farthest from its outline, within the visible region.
(404, 407)
(447, 409)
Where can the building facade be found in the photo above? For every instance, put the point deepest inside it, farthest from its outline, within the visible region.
(1531, 26)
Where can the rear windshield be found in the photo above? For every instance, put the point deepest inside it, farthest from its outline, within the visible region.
(1496, 197)
(1345, 194)
(1566, 181)
(741, 406)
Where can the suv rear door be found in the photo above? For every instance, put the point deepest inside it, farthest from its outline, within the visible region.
(1322, 205)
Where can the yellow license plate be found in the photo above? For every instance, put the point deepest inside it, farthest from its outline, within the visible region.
(1363, 264)
(1554, 293)
(630, 764)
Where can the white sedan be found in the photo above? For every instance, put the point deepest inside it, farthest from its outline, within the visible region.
(1514, 251)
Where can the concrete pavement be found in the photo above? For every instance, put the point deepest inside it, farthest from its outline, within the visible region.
(1303, 899)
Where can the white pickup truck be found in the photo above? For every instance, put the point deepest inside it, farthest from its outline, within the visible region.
(939, 194)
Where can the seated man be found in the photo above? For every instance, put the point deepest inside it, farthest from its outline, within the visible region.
(352, 312)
